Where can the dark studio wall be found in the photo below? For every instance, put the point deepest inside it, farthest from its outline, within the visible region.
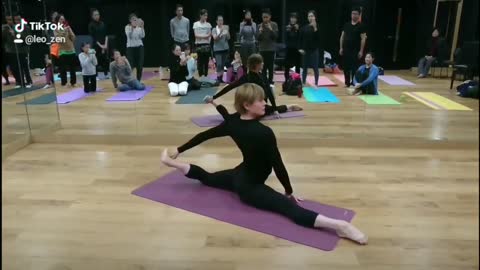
(380, 17)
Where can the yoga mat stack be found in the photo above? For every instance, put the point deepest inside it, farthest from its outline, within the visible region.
(176, 190)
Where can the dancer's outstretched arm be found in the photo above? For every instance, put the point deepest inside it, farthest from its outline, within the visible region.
(220, 108)
(218, 131)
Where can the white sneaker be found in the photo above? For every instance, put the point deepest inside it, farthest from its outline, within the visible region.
(47, 86)
(29, 86)
(17, 86)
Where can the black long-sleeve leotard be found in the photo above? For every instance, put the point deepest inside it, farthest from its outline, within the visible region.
(257, 143)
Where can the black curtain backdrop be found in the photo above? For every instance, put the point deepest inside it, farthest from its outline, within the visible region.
(332, 14)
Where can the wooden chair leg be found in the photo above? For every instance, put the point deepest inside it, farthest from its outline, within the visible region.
(453, 78)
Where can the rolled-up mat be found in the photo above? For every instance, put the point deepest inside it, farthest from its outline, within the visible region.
(131, 95)
(178, 191)
(19, 91)
(339, 77)
(217, 119)
(379, 99)
(320, 95)
(196, 96)
(73, 95)
(395, 80)
(437, 102)
(322, 81)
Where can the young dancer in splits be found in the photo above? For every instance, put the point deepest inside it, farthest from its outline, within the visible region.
(255, 66)
(258, 145)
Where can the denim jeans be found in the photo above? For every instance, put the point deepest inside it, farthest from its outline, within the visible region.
(131, 85)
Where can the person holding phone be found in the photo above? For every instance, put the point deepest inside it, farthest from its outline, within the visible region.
(135, 32)
(309, 47)
(178, 85)
(293, 57)
(267, 35)
(248, 38)
(221, 36)
(67, 59)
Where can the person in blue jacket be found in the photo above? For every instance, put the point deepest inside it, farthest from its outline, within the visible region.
(366, 77)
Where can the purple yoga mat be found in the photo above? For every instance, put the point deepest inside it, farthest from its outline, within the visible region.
(176, 190)
(73, 95)
(215, 120)
(395, 80)
(131, 95)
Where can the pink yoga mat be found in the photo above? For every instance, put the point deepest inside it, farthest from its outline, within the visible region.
(395, 80)
(74, 95)
(131, 95)
(216, 119)
(339, 77)
(322, 81)
(279, 78)
(176, 190)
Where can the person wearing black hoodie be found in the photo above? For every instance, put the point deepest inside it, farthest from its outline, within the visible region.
(293, 57)
(98, 31)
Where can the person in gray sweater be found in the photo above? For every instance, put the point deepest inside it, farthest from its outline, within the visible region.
(89, 63)
(180, 28)
(120, 69)
(220, 35)
(248, 37)
(267, 35)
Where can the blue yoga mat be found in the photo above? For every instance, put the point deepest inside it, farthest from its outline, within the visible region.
(41, 100)
(19, 91)
(196, 96)
(320, 95)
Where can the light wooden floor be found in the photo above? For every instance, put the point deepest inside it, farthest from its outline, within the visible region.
(409, 172)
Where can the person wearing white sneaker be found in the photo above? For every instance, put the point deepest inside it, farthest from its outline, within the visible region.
(261, 155)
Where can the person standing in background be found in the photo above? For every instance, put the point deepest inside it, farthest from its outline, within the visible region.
(10, 59)
(293, 57)
(23, 50)
(203, 35)
(67, 52)
(352, 45)
(309, 47)
(98, 30)
(247, 35)
(135, 32)
(180, 28)
(267, 35)
(221, 36)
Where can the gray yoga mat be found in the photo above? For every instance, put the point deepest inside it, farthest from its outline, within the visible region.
(196, 96)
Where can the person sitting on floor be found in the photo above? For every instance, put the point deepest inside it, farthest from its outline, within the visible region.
(235, 71)
(120, 69)
(366, 78)
(178, 84)
(193, 83)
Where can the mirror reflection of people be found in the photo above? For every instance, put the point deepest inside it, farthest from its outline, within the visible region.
(366, 77)
(68, 56)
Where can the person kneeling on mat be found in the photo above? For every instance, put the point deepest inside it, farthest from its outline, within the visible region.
(254, 75)
(258, 146)
(178, 72)
(366, 78)
(120, 69)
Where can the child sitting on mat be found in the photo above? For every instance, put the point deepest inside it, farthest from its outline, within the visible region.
(366, 78)
(120, 69)
(88, 61)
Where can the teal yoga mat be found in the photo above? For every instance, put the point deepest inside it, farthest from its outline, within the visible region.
(41, 100)
(320, 95)
(196, 96)
(19, 91)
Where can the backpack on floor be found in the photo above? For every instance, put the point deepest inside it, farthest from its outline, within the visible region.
(194, 84)
(468, 89)
(293, 86)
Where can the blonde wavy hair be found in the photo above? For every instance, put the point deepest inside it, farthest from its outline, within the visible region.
(247, 93)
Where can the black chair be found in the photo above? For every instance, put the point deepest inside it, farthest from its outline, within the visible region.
(466, 62)
(280, 55)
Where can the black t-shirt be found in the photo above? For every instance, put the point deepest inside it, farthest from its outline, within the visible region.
(351, 37)
(98, 31)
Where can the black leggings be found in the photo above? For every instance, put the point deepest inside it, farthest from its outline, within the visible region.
(135, 56)
(259, 196)
(268, 60)
(203, 52)
(350, 65)
(89, 83)
(68, 62)
(103, 59)
(280, 108)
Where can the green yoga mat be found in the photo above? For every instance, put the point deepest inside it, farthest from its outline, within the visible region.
(41, 100)
(196, 96)
(379, 99)
(19, 91)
